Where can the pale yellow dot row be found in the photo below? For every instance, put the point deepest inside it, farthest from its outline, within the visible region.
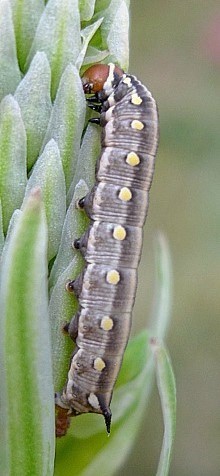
(119, 233)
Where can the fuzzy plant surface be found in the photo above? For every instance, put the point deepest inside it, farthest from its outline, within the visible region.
(47, 162)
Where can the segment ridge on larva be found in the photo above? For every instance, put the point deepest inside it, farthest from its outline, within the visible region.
(117, 207)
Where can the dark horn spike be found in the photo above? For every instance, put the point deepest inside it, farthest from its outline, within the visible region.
(108, 417)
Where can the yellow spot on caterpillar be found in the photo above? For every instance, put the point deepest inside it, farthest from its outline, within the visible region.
(132, 159)
(138, 125)
(125, 194)
(113, 277)
(127, 81)
(119, 233)
(107, 323)
(99, 364)
(135, 99)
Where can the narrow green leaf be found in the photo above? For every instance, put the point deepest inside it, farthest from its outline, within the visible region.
(58, 35)
(2, 238)
(161, 314)
(102, 5)
(76, 222)
(86, 8)
(33, 96)
(48, 175)
(26, 15)
(167, 391)
(27, 404)
(9, 70)
(67, 120)
(88, 156)
(62, 307)
(117, 37)
(11, 227)
(129, 401)
(87, 35)
(13, 175)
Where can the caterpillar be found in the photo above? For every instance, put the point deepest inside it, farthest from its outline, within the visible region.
(117, 207)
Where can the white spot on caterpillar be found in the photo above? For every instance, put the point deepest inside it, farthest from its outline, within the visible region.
(108, 114)
(86, 284)
(119, 233)
(93, 401)
(69, 387)
(138, 125)
(99, 364)
(136, 99)
(111, 100)
(132, 159)
(109, 81)
(106, 323)
(125, 194)
(113, 277)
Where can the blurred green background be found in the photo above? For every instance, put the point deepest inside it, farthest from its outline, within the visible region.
(175, 51)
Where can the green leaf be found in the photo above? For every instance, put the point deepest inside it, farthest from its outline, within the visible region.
(9, 70)
(87, 35)
(2, 238)
(62, 307)
(11, 226)
(76, 222)
(48, 175)
(86, 8)
(88, 156)
(161, 314)
(13, 175)
(86, 448)
(33, 96)
(93, 55)
(167, 391)
(26, 15)
(58, 35)
(27, 403)
(67, 120)
(115, 32)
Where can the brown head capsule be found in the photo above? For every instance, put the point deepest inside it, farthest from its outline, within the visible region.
(94, 78)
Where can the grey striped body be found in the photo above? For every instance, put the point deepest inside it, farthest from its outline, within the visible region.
(117, 206)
